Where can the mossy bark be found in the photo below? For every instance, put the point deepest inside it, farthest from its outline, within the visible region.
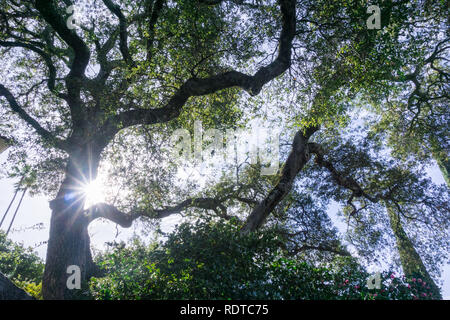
(412, 264)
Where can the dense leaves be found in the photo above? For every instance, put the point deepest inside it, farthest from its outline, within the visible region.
(21, 265)
(209, 260)
(104, 99)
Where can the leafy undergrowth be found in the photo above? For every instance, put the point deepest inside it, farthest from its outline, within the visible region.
(214, 261)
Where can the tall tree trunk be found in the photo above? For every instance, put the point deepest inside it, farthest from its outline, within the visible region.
(3, 144)
(412, 264)
(69, 242)
(443, 161)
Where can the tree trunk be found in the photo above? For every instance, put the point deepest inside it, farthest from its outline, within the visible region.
(412, 264)
(443, 161)
(296, 160)
(3, 144)
(69, 242)
(9, 291)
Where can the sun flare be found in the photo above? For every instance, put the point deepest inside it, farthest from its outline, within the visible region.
(94, 193)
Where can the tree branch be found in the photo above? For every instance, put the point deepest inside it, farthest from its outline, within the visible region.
(346, 182)
(123, 33)
(82, 53)
(198, 87)
(103, 210)
(157, 6)
(75, 78)
(295, 162)
(321, 247)
(47, 59)
(102, 51)
(45, 134)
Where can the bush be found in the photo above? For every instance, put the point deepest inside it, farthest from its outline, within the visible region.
(214, 261)
(21, 265)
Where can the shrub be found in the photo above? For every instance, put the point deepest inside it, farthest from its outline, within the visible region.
(210, 260)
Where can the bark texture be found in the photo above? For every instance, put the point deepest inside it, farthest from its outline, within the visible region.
(412, 264)
(295, 162)
(69, 242)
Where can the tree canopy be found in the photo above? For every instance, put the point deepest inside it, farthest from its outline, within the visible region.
(362, 113)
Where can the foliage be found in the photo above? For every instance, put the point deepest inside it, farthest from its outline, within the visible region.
(212, 260)
(107, 96)
(21, 265)
(32, 288)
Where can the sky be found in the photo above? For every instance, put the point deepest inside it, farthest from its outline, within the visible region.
(35, 210)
